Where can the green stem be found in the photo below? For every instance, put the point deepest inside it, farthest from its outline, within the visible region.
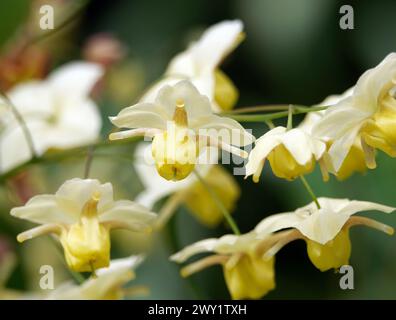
(272, 116)
(310, 191)
(88, 162)
(264, 108)
(219, 204)
(52, 157)
(290, 118)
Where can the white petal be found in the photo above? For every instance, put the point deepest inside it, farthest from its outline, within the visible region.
(207, 245)
(75, 193)
(371, 83)
(33, 99)
(196, 104)
(77, 130)
(128, 212)
(151, 94)
(43, 209)
(339, 119)
(230, 131)
(340, 148)
(120, 265)
(302, 146)
(264, 145)
(227, 244)
(320, 225)
(75, 79)
(216, 43)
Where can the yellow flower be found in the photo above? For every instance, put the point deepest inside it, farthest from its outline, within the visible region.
(325, 230)
(200, 64)
(182, 124)
(190, 191)
(201, 204)
(291, 153)
(247, 275)
(366, 115)
(82, 213)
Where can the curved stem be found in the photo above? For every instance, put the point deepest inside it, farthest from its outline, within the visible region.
(88, 162)
(263, 108)
(219, 204)
(62, 155)
(290, 117)
(271, 116)
(310, 191)
(22, 123)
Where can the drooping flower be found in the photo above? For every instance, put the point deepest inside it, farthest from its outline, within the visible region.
(108, 285)
(291, 153)
(82, 213)
(57, 111)
(190, 191)
(355, 159)
(247, 274)
(325, 230)
(367, 114)
(182, 125)
(200, 64)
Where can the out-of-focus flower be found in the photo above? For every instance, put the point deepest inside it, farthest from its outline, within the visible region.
(291, 153)
(367, 114)
(108, 285)
(190, 191)
(104, 49)
(355, 159)
(82, 213)
(199, 64)
(182, 124)
(58, 113)
(247, 274)
(325, 230)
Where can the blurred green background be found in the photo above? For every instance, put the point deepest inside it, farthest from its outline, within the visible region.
(294, 52)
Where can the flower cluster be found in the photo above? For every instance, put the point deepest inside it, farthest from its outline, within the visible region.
(187, 118)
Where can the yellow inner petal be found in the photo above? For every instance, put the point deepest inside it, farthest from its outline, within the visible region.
(87, 243)
(202, 205)
(175, 153)
(250, 277)
(354, 162)
(380, 132)
(333, 254)
(285, 166)
(226, 94)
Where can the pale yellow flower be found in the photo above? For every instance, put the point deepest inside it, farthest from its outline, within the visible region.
(291, 153)
(200, 64)
(368, 114)
(58, 113)
(247, 274)
(81, 214)
(355, 159)
(325, 230)
(108, 285)
(182, 125)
